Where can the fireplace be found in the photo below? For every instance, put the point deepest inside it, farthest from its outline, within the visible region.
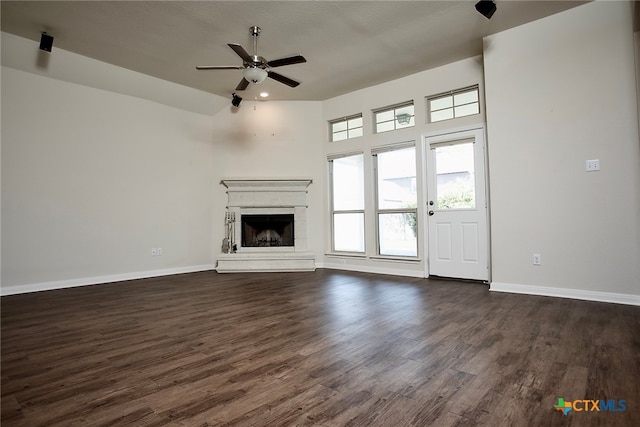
(259, 231)
(268, 230)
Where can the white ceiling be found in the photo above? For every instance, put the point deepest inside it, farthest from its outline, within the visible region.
(348, 45)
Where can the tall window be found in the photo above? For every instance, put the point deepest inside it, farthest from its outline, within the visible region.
(394, 117)
(347, 203)
(450, 105)
(396, 207)
(346, 128)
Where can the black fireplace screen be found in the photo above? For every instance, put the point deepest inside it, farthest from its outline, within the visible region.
(267, 230)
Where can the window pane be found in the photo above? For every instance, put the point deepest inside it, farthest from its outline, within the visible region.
(346, 129)
(336, 127)
(348, 183)
(441, 103)
(466, 97)
(355, 132)
(355, 123)
(455, 176)
(384, 116)
(385, 126)
(339, 136)
(467, 110)
(397, 233)
(436, 116)
(397, 179)
(348, 232)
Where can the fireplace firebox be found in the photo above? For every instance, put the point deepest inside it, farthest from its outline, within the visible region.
(271, 230)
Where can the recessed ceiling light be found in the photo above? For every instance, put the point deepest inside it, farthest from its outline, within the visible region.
(264, 94)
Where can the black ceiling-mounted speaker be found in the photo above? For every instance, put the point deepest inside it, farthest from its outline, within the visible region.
(236, 100)
(46, 42)
(486, 7)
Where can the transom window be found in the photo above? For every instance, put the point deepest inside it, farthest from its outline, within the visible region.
(394, 117)
(346, 128)
(450, 105)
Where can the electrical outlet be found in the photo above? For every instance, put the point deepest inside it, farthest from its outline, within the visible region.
(537, 259)
(592, 165)
(154, 251)
(159, 250)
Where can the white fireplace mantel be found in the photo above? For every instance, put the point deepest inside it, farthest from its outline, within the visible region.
(260, 193)
(257, 183)
(268, 196)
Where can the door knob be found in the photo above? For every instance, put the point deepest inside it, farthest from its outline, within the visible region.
(431, 213)
(430, 202)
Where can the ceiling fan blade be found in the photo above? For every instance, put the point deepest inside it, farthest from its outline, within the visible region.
(241, 52)
(296, 59)
(283, 79)
(218, 67)
(243, 84)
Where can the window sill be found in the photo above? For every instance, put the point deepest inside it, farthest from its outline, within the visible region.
(392, 258)
(346, 255)
(410, 260)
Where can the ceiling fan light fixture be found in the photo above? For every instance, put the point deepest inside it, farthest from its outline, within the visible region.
(255, 75)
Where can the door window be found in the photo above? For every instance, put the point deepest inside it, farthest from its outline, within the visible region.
(455, 176)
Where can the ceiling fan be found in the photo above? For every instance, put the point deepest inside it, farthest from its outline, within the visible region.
(256, 68)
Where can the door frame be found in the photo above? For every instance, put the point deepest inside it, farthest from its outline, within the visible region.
(456, 133)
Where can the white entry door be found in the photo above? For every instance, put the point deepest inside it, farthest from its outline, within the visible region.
(456, 205)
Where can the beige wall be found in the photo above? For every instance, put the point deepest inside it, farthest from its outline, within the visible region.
(560, 91)
(92, 180)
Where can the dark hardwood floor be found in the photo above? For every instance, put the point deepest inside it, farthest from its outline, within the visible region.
(326, 348)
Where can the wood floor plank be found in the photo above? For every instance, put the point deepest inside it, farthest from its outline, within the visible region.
(325, 348)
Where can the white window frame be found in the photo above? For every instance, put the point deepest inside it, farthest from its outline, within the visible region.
(347, 121)
(380, 211)
(452, 94)
(333, 211)
(396, 118)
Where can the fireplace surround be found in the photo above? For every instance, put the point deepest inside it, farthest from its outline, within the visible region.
(271, 229)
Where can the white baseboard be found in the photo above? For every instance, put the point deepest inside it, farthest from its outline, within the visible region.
(628, 299)
(96, 280)
(372, 269)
